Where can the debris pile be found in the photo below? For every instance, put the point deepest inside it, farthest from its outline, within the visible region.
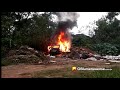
(112, 58)
(79, 53)
(109, 57)
(26, 54)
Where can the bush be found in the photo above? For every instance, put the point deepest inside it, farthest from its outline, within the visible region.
(118, 47)
(105, 49)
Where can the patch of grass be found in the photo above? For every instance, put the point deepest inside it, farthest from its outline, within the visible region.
(67, 73)
(49, 73)
(114, 73)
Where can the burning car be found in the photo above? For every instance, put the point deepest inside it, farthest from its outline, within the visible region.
(54, 50)
(62, 45)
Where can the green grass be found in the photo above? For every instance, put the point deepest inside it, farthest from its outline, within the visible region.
(114, 73)
(67, 73)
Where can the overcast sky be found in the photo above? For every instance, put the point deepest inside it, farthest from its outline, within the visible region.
(86, 18)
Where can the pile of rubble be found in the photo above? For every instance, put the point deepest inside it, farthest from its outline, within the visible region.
(78, 53)
(87, 54)
(107, 58)
(26, 54)
(112, 58)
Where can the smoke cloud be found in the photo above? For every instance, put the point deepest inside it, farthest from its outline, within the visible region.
(66, 21)
(64, 16)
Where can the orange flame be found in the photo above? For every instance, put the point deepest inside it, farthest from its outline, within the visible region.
(63, 42)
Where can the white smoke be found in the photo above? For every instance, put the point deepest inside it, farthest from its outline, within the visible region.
(64, 16)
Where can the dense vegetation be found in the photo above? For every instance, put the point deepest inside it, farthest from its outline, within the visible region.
(107, 36)
(26, 28)
(35, 30)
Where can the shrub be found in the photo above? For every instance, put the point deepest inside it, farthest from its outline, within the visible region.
(105, 49)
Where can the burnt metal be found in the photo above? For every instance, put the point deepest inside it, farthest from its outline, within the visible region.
(55, 51)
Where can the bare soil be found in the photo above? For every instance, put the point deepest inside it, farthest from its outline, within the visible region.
(23, 70)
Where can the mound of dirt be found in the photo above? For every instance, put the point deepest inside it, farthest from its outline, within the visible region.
(25, 54)
(79, 53)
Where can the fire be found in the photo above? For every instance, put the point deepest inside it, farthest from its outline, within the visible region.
(49, 47)
(63, 42)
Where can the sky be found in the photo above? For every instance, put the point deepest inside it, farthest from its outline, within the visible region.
(86, 19)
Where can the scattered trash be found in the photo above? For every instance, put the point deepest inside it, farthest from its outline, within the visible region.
(92, 59)
(107, 63)
(112, 57)
(52, 56)
(114, 61)
(53, 61)
(26, 54)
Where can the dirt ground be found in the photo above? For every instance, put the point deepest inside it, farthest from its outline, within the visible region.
(21, 70)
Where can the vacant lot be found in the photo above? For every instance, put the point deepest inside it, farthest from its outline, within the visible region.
(62, 68)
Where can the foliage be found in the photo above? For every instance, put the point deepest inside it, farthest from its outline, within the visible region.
(105, 49)
(26, 28)
(35, 30)
(81, 40)
(40, 31)
(108, 29)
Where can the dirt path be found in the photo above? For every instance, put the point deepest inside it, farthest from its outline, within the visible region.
(22, 70)
(16, 71)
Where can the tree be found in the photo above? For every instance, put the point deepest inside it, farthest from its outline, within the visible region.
(105, 49)
(111, 15)
(11, 24)
(108, 31)
(81, 40)
(26, 28)
(40, 31)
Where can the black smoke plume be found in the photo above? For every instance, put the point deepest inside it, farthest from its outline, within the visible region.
(66, 21)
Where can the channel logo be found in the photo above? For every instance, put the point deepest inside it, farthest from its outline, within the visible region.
(74, 68)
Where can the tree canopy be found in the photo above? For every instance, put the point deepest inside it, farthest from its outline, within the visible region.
(108, 29)
(35, 30)
(26, 28)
